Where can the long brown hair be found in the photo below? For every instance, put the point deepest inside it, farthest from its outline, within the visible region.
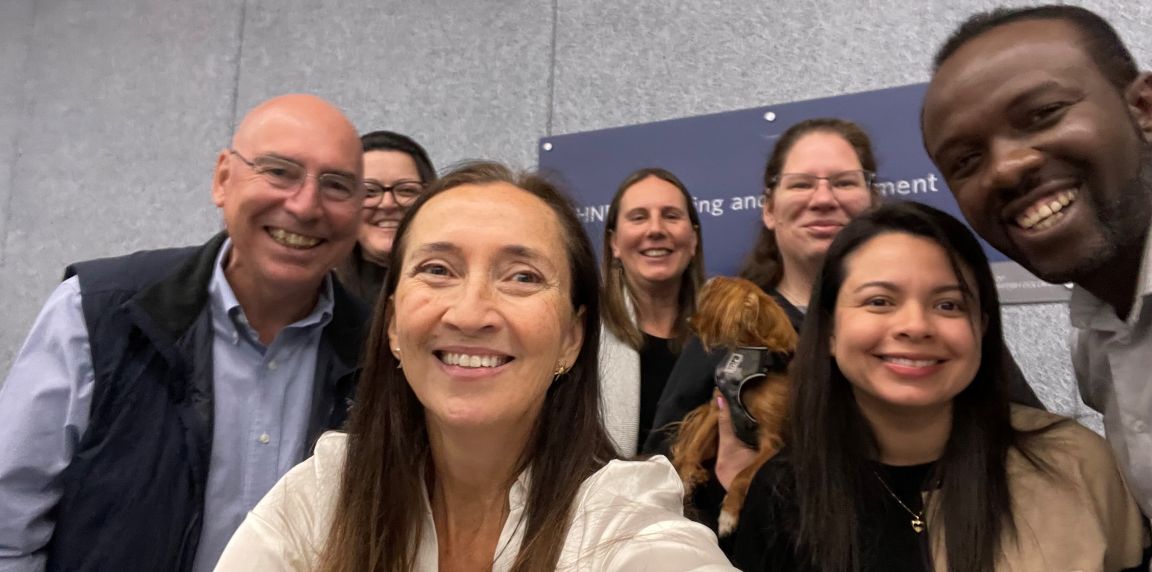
(617, 318)
(377, 520)
(763, 265)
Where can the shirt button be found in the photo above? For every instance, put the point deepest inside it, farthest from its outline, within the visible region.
(272, 365)
(265, 439)
(235, 339)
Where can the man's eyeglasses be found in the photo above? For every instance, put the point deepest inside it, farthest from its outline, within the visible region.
(403, 192)
(845, 181)
(289, 176)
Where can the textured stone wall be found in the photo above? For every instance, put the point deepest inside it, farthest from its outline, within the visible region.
(112, 111)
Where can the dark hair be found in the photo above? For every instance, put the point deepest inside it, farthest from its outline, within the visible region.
(831, 442)
(377, 519)
(392, 141)
(1100, 39)
(616, 316)
(360, 276)
(763, 265)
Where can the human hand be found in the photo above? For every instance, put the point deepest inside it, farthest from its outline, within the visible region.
(732, 455)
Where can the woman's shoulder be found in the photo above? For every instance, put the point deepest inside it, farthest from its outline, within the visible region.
(1061, 436)
(287, 528)
(652, 482)
(309, 490)
(1065, 449)
(629, 515)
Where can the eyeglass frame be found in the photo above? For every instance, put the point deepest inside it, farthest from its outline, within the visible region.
(351, 180)
(869, 180)
(373, 200)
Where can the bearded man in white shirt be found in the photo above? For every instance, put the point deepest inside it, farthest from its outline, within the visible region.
(1041, 123)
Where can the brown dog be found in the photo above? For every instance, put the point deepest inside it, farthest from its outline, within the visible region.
(733, 312)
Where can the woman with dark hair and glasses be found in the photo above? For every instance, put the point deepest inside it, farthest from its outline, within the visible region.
(396, 171)
(653, 266)
(817, 178)
(476, 441)
(902, 451)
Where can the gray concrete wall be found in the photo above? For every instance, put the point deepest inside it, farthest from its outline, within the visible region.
(112, 111)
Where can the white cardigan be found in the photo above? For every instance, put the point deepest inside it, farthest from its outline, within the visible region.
(620, 391)
(627, 516)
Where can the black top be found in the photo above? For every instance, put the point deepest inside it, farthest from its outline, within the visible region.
(656, 361)
(765, 539)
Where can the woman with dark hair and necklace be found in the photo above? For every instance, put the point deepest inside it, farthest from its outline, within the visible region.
(476, 440)
(819, 176)
(902, 450)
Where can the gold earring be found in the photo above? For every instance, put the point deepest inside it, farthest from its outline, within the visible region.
(396, 352)
(561, 369)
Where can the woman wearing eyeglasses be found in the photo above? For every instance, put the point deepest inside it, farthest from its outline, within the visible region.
(396, 171)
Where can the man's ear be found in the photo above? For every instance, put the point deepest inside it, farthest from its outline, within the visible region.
(220, 177)
(1138, 95)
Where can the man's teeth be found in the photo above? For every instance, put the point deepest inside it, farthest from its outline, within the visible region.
(390, 224)
(292, 239)
(466, 360)
(911, 362)
(656, 252)
(1040, 215)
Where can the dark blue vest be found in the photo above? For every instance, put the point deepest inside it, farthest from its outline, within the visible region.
(134, 491)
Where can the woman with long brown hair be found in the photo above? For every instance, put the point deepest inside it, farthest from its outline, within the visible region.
(476, 441)
(653, 266)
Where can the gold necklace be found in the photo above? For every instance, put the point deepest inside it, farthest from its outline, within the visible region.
(917, 518)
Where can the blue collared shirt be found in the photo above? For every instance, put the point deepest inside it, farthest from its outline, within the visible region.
(262, 403)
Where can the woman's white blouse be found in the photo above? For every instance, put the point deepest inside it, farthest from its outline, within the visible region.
(627, 516)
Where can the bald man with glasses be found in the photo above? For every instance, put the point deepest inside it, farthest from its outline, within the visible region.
(161, 394)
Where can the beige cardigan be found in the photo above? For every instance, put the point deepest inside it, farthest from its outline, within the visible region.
(1083, 518)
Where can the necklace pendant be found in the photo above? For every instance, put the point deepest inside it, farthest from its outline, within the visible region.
(917, 524)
